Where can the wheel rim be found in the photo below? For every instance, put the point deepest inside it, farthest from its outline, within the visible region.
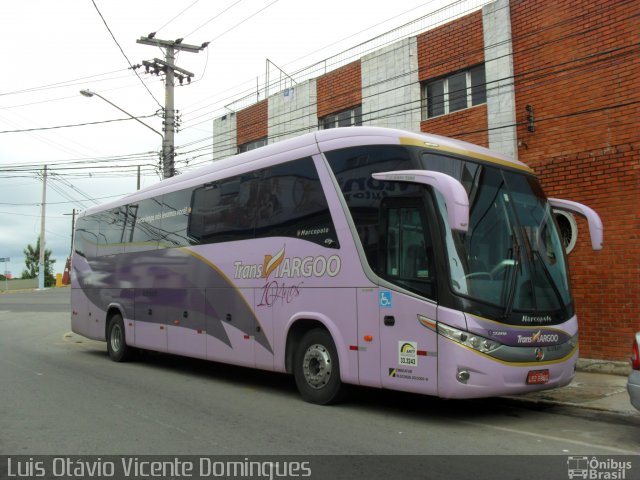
(116, 338)
(316, 366)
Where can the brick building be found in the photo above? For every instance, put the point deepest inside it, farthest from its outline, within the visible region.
(553, 83)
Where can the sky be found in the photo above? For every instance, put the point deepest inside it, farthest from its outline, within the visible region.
(54, 49)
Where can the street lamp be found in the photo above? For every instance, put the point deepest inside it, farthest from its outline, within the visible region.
(89, 94)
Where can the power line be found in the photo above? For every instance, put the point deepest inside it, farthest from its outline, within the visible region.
(521, 74)
(124, 54)
(50, 142)
(242, 21)
(131, 157)
(61, 84)
(378, 114)
(59, 178)
(71, 125)
(213, 18)
(63, 193)
(55, 217)
(458, 2)
(88, 163)
(326, 65)
(248, 92)
(158, 29)
(58, 203)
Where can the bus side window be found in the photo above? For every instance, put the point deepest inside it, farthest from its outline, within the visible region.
(203, 201)
(130, 220)
(175, 215)
(146, 226)
(225, 210)
(292, 203)
(111, 229)
(86, 237)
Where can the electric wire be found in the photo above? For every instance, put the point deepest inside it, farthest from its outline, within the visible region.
(328, 65)
(540, 73)
(213, 18)
(178, 15)
(522, 74)
(186, 112)
(67, 202)
(124, 54)
(243, 21)
(62, 84)
(207, 138)
(37, 129)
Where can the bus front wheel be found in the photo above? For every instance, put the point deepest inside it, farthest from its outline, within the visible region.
(317, 369)
(117, 346)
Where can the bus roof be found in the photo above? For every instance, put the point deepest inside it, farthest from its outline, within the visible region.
(307, 145)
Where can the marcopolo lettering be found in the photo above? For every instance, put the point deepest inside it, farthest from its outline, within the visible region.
(536, 319)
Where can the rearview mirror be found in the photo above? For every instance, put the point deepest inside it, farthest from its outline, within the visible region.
(593, 220)
(451, 189)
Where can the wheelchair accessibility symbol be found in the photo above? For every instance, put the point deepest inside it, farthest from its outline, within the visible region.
(385, 299)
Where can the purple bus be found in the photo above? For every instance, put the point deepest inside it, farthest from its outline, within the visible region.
(363, 256)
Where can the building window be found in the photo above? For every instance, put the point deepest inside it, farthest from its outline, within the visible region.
(454, 92)
(346, 118)
(245, 147)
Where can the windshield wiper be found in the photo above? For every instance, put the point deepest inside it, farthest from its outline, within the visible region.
(552, 282)
(515, 249)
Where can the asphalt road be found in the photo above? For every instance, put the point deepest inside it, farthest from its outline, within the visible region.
(60, 394)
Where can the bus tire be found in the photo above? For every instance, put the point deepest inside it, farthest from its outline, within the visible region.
(316, 368)
(117, 346)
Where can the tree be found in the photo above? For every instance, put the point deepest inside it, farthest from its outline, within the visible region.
(32, 261)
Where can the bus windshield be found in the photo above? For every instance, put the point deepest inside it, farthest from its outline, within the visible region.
(511, 256)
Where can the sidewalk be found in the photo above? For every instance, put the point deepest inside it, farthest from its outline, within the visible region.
(594, 391)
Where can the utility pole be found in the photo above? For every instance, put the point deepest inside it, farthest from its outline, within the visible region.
(41, 266)
(6, 272)
(66, 276)
(170, 70)
(73, 225)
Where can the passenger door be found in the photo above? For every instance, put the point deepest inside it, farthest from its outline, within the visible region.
(407, 319)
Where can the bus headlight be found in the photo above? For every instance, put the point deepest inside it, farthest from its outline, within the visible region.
(471, 340)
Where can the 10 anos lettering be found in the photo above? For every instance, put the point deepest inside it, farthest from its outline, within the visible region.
(60, 467)
(274, 291)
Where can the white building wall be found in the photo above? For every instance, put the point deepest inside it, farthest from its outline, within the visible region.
(293, 112)
(390, 86)
(498, 58)
(225, 136)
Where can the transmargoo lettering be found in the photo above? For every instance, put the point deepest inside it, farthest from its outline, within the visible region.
(290, 267)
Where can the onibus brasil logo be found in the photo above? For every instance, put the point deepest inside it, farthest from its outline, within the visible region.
(596, 469)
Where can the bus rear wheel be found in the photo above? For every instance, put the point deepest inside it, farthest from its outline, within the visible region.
(117, 346)
(316, 368)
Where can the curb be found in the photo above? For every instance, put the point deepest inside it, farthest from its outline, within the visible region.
(579, 409)
(610, 367)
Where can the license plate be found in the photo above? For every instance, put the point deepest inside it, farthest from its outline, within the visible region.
(537, 377)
